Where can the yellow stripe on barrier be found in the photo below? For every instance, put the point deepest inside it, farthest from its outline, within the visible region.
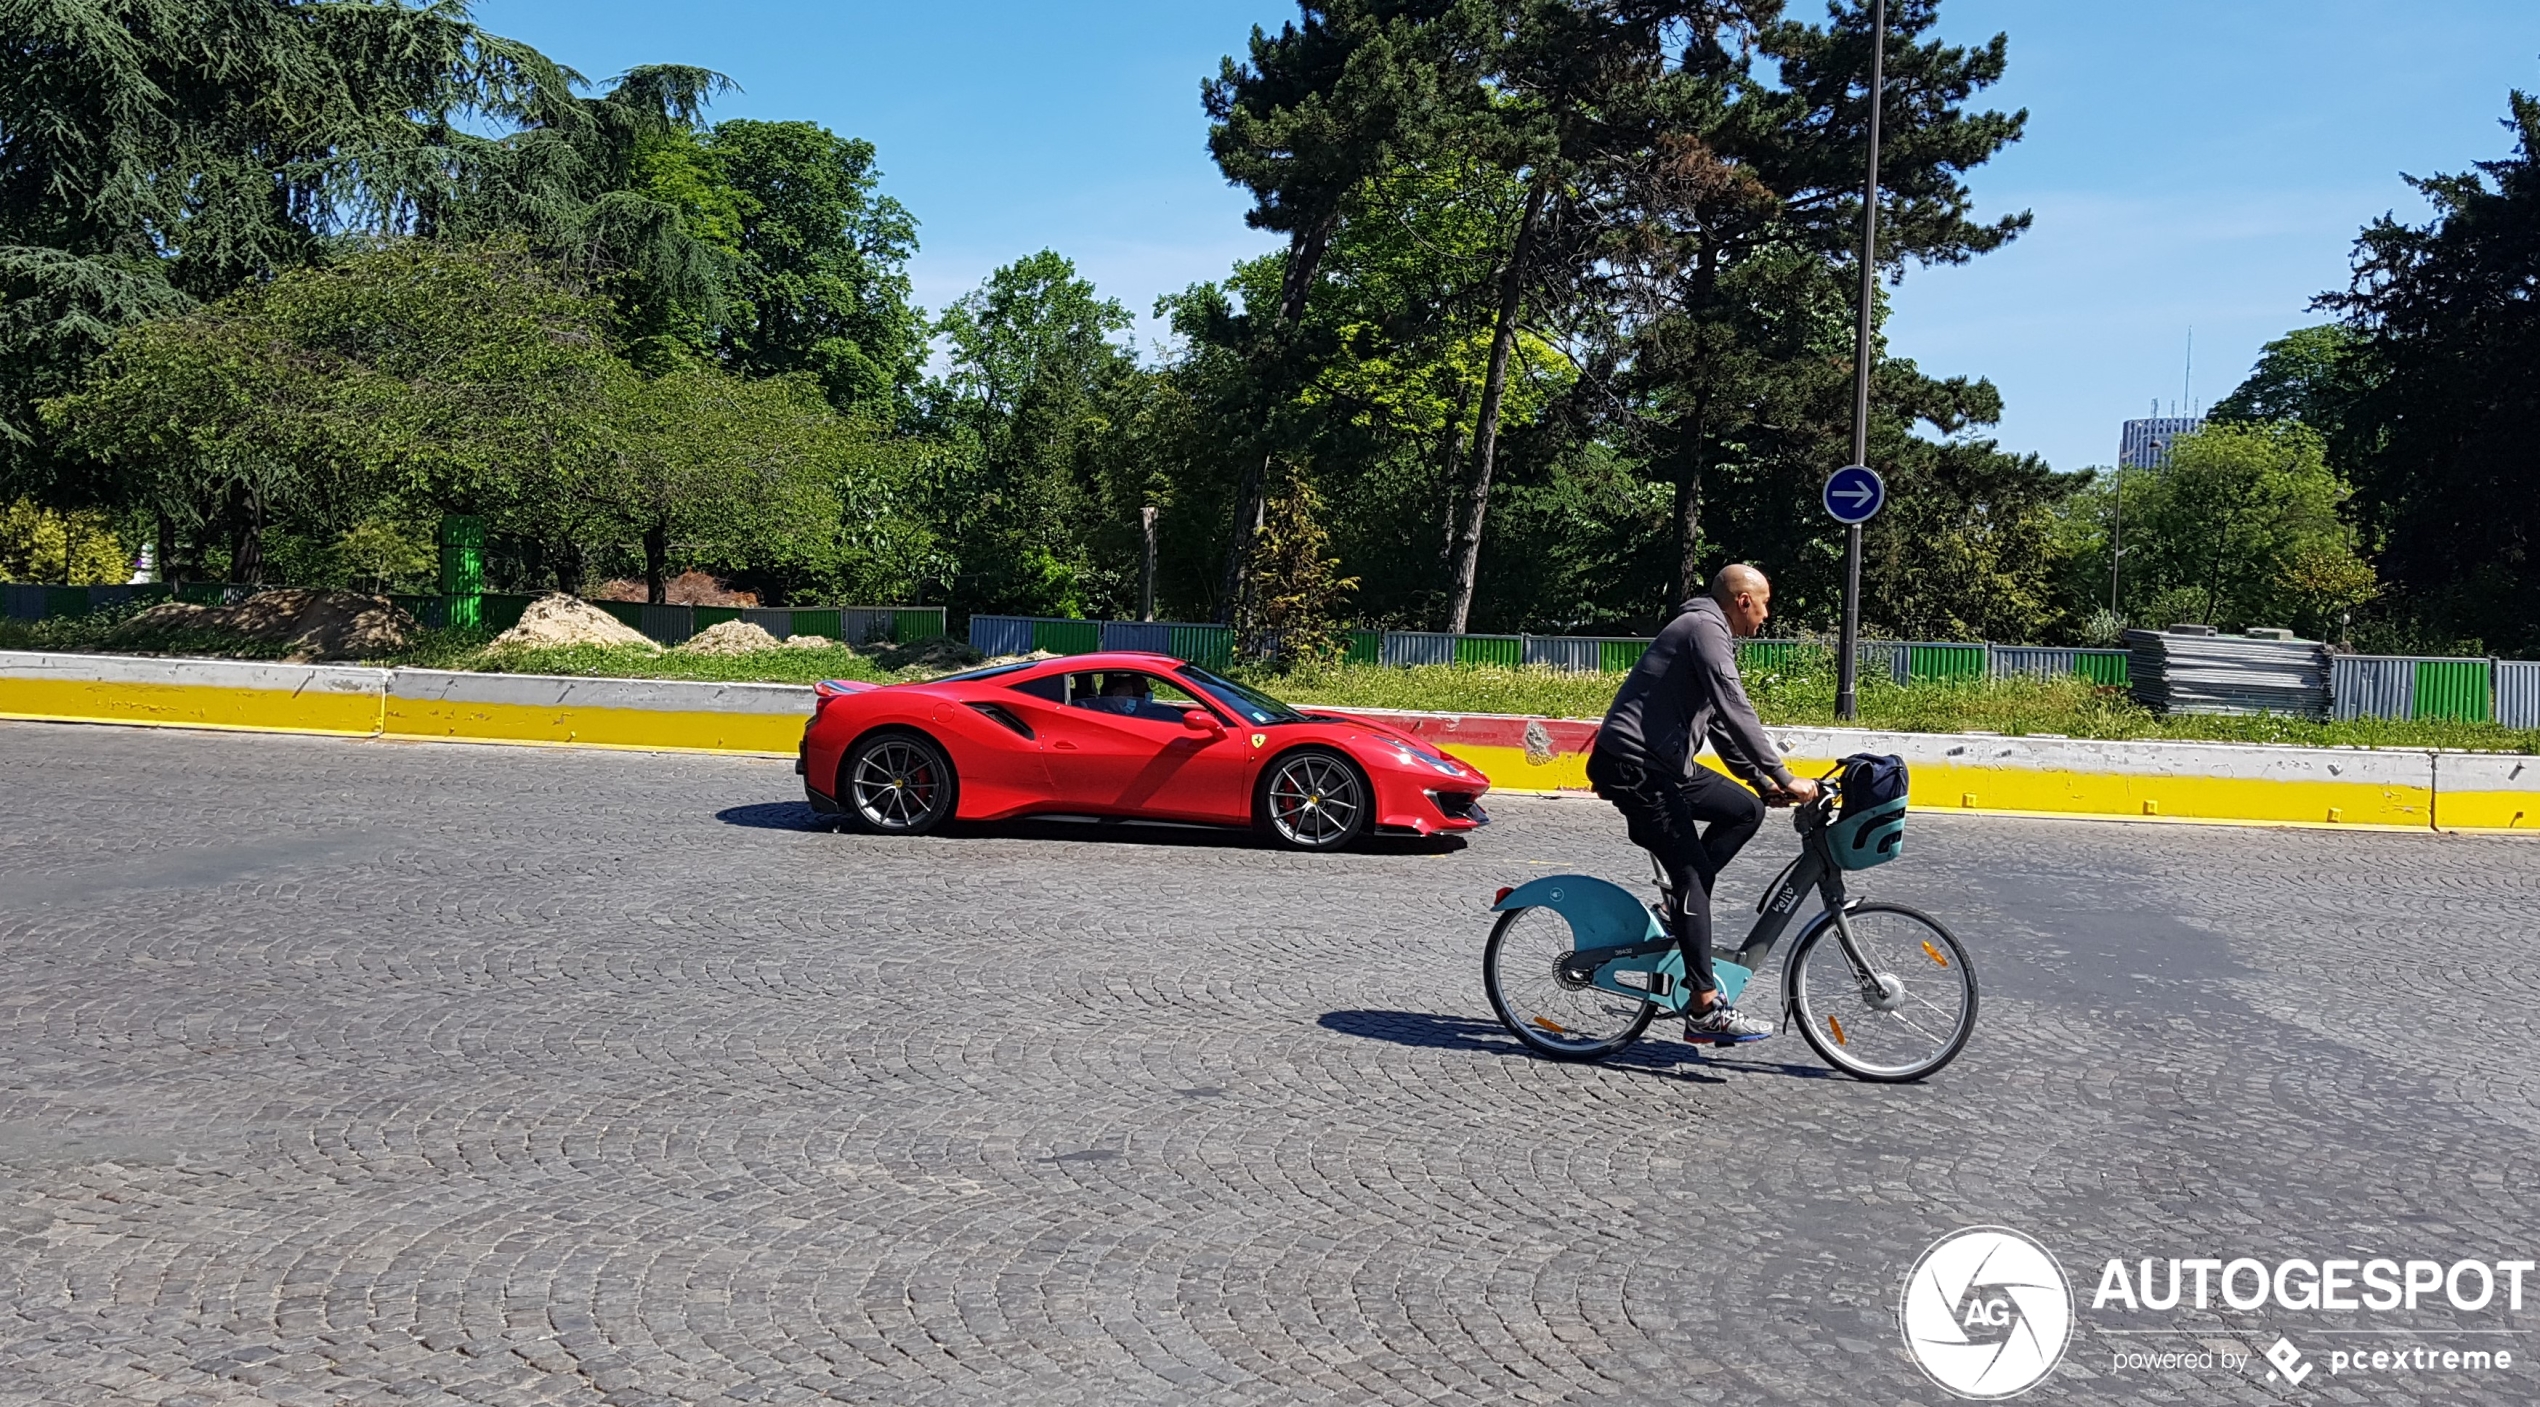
(190, 706)
(2068, 793)
(2488, 810)
(595, 727)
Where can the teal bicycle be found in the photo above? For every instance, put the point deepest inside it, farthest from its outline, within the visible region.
(1577, 967)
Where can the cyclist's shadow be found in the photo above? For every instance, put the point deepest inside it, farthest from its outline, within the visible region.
(1666, 1059)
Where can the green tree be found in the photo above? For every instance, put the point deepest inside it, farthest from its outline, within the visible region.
(1744, 206)
(419, 379)
(2447, 373)
(814, 273)
(720, 468)
(1352, 89)
(153, 155)
(2309, 375)
(2243, 527)
(59, 549)
(1030, 388)
(1582, 96)
(1296, 615)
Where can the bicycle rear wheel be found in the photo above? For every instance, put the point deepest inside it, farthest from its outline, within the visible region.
(1552, 1012)
(1907, 1015)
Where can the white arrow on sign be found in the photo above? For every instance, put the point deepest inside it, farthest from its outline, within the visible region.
(1858, 496)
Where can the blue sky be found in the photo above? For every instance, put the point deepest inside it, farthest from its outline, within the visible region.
(2203, 165)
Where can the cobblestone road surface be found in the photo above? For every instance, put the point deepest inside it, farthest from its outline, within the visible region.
(338, 1071)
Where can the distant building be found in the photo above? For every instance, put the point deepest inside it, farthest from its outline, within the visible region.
(2146, 443)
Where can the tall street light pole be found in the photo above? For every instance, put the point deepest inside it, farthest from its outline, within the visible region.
(1848, 665)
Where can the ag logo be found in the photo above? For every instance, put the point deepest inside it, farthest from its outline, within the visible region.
(1986, 1312)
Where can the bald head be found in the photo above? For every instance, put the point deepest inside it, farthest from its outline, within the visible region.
(1745, 597)
(1738, 579)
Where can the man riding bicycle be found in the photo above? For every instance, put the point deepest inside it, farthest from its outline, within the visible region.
(1686, 690)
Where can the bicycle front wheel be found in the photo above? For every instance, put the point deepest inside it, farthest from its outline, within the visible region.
(1549, 1009)
(1901, 1014)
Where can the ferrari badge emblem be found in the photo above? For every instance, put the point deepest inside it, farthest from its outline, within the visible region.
(1259, 738)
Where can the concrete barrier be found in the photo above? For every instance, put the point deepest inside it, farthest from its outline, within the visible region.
(297, 698)
(2414, 789)
(639, 713)
(2181, 780)
(2486, 791)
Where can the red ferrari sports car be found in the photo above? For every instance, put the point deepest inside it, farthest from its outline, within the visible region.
(1122, 734)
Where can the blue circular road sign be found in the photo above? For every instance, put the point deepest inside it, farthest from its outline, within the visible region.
(1854, 494)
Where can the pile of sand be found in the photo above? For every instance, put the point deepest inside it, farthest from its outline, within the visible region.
(314, 625)
(810, 642)
(730, 637)
(557, 619)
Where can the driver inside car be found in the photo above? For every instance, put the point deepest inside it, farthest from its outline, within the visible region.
(1126, 694)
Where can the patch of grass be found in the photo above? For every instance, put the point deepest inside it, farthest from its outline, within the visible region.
(786, 666)
(1439, 688)
(73, 634)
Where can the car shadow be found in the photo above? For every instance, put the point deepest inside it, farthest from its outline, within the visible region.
(1666, 1059)
(1171, 833)
(798, 816)
(775, 816)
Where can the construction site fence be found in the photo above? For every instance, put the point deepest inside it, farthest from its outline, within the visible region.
(2361, 686)
(853, 625)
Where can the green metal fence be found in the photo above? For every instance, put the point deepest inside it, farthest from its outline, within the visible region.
(1503, 651)
(1934, 662)
(2455, 689)
(1209, 646)
(1067, 637)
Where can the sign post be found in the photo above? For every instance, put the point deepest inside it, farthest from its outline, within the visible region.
(1848, 666)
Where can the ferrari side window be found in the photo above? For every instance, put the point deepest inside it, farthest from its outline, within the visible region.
(1130, 694)
(1052, 687)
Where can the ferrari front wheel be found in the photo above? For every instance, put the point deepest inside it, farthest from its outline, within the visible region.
(1314, 799)
(897, 783)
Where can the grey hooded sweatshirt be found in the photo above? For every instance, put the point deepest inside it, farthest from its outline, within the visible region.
(1685, 690)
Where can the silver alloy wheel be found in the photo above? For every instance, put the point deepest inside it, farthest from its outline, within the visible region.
(1315, 801)
(898, 784)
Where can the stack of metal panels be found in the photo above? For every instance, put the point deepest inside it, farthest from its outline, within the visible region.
(2180, 672)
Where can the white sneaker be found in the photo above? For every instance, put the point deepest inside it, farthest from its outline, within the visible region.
(1724, 1024)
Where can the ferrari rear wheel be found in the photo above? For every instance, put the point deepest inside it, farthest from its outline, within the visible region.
(1314, 799)
(897, 784)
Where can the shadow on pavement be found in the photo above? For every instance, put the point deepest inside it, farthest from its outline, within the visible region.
(1673, 1060)
(798, 816)
(1424, 1030)
(774, 816)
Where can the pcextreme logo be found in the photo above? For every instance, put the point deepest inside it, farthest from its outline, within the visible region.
(1986, 1312)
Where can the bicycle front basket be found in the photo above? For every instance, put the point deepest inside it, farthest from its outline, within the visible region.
(1870, 837)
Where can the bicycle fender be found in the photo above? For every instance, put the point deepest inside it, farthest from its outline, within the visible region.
(1601, 914)
(1606, 915)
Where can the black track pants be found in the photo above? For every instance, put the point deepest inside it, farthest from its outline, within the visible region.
(1694, 825)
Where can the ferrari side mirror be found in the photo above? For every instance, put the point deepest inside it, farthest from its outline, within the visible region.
(1200, 720)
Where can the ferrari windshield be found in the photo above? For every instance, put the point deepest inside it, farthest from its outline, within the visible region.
(1250, 705)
